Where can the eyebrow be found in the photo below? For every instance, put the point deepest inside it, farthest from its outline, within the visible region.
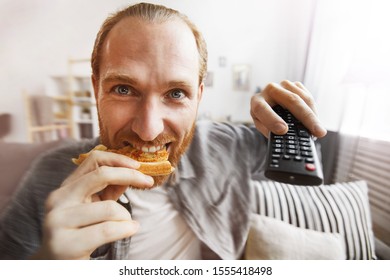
(179, 84)
(119, 78)
(128, 80)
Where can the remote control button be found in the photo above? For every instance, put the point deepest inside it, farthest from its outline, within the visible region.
(277, 145)
(310, 167)
(309, 160)
(292, 152)
(298, 158)
(306, 149)
(275, 161)
(286, 157)
(275, 156)
(274, 165)
(306, 154)
(277, 151)
(306, 144)
(303, 133)
(293, 147)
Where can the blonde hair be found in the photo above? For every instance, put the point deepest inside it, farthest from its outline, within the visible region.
(150, 13)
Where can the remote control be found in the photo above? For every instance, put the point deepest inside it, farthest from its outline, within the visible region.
(292, 158)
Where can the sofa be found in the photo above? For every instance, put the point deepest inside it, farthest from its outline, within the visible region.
(332, 221)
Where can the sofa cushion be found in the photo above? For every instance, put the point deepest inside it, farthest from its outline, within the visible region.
(273, 239)
(339, 208)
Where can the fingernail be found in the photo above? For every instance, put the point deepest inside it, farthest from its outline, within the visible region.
(279, 128)
(319, 130)
(135, 225)
(149, 180)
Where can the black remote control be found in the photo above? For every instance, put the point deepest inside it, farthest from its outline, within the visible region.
(292, 158)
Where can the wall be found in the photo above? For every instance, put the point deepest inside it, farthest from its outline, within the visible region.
(39, 36)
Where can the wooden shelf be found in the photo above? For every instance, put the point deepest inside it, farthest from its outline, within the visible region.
(48, 127)
(41, 127)
(73, 112)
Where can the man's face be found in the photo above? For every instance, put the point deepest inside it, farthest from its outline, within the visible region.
(148, 91)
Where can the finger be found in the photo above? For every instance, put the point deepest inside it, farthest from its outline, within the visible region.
(302, 86)
(262, 128)
(89, 238)
(112, 193)
(88, 214)
(101, 158)
(301, 91)
(104, 176)
(299, 108)
(81, 190)
(265, 118)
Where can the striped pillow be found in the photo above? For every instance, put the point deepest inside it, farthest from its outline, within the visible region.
(340, 208)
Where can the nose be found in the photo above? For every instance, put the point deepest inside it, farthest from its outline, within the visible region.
(149, 121)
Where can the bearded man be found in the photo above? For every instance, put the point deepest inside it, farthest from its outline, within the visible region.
(148, 67)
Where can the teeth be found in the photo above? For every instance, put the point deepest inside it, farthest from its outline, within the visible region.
(152, 149)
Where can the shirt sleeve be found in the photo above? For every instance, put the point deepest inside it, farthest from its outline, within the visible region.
(21, 222)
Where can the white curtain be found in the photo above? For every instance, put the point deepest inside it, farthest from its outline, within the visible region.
(348, 66)
(348, 72)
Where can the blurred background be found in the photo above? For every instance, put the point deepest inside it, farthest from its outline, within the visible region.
(338, 48)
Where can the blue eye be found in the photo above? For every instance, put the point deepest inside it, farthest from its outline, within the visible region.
(122, 90)
(176, 94)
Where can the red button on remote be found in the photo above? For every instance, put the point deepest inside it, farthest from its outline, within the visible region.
(310, 167)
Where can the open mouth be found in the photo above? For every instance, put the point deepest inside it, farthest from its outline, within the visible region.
(147, 148)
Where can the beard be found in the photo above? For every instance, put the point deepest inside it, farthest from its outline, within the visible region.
(176, 148)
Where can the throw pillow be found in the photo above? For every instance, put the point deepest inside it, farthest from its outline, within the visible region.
(273, 239)
(339, 208)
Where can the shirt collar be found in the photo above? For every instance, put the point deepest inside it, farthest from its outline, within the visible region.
(185, 170)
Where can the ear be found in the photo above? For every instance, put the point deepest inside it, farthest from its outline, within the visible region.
(200, 91)
(95, 84)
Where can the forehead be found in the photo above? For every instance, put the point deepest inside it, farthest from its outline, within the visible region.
(136, 40)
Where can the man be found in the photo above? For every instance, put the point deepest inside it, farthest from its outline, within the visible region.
(148, 67)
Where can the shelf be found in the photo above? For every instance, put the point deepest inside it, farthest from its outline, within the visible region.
(83, 101)
(86, 121)
(74, 105)
(48, 127)
(62, 98)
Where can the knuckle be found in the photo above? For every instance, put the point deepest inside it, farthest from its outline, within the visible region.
(272, 88)
(257, 104)
(293, 99)
(52, 200)
(93, 155)
(308, 115)
(50, 220)
(102, 171)
(110, 208)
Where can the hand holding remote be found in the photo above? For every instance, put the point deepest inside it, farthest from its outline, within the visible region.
(292, 158)
(293, 96)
